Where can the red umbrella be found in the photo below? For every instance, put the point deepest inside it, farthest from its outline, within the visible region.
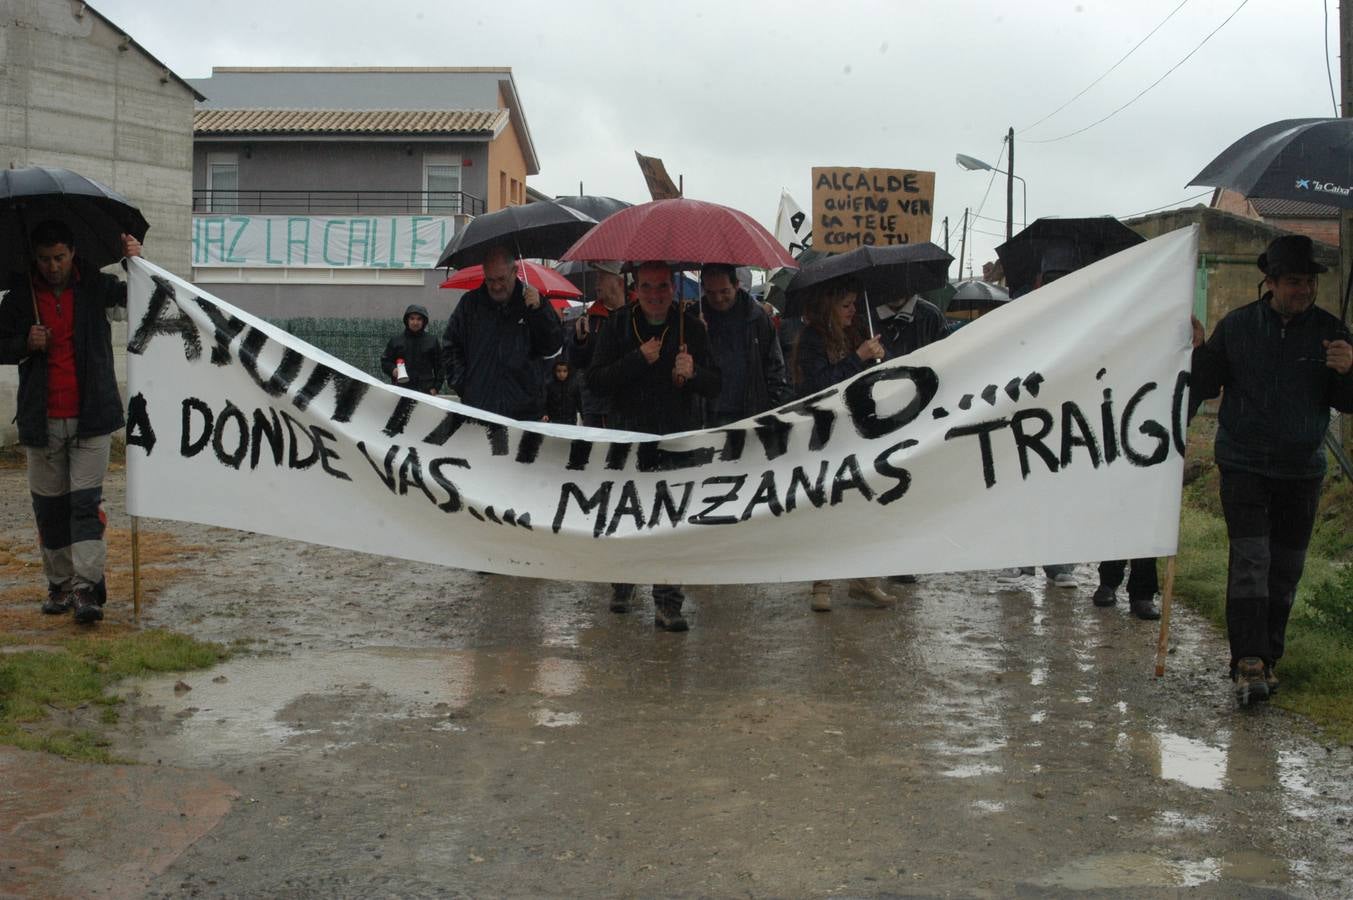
(549, 282)
(685, 233)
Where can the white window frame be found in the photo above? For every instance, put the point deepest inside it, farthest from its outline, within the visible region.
(222, 159)
(442, 159)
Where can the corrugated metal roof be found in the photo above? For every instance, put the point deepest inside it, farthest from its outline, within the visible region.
(1293, 209)
(348, 121)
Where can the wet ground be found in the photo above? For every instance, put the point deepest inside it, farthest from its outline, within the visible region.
(406, 730)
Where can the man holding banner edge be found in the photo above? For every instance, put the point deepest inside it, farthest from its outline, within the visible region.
(54, 326)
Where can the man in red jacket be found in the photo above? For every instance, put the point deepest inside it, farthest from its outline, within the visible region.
(54, 326)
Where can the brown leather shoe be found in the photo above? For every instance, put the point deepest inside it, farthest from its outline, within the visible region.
(822, 596)
(868, 589)
(1250, 684)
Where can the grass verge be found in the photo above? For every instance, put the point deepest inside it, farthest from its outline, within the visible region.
(55, 675)
(50, 694)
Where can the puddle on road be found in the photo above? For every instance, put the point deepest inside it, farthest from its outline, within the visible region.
(1143, 870)
(255, 706)
(1191, 762)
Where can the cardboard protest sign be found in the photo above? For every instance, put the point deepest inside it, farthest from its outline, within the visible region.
(855, 207)
(1052, 429)
(660, 185)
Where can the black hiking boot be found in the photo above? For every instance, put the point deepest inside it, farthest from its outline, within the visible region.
(668, 617)
(58, 602)
(622, 597)
(1144, 608)
(87, 609)
(1104, 596)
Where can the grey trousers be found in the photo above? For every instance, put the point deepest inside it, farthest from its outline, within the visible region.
(66, 481)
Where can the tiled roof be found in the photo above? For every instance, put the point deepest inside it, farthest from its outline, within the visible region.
(348, 121)
(1293, 209)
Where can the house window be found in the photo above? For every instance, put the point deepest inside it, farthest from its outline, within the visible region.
(223, 183)
(441, 185)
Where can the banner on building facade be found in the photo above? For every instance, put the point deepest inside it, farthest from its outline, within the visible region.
(328, 242)
(1052, 430)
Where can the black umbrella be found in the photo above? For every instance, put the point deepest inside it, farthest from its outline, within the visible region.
(1296, 159)
(1063, 245)
(97, 215)
(595, 206)
(1309, 160)
(975, 294)
(540, 230)
(886, 272)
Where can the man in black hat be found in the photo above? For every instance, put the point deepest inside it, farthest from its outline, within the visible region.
(1283, 364)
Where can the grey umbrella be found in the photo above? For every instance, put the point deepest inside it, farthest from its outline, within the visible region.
(595, 206)
(975, 294)
(541, 230)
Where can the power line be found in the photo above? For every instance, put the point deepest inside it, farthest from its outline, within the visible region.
(1329, 73)
(1111, 68)
(1143, 92)
(1166, 206)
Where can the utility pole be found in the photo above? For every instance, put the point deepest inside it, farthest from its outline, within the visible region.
(1345, 111)
(1010, 183)
(963, 244)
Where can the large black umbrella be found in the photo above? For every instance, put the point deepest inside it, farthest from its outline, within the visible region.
(97, 215)
(1295, 159)
(886, 273)
(593, 205)
(1309, 160)
(975, 294)
(540, 230)
(1063, 245)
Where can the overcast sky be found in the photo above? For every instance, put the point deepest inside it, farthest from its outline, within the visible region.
(742, 98)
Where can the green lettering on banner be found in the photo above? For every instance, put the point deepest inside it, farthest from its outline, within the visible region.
(443, 240)
(197, 241)
(325, 243)
(218, 240)
(267, 244)
(242, 223)
(303, 240)
(415, 241)
(394, 245)
(364, 242)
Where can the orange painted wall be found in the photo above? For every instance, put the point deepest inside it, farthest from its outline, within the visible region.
(505, 155)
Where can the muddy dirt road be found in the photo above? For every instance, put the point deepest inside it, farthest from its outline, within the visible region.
(404, 730)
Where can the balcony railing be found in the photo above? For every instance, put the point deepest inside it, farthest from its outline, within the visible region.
(337, 203)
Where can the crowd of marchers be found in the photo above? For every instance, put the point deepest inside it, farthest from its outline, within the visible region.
(641, 361)
(638, 360)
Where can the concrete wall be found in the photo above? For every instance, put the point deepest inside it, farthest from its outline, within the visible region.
(1229, 246)
(70, 97)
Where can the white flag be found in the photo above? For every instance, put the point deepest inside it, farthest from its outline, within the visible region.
(792, 228)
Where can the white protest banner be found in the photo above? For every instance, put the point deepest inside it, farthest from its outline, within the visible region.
(330, 242)
(1051, 430)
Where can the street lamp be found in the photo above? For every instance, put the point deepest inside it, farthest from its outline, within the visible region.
(973, 164)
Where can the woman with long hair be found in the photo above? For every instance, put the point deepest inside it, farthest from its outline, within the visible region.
(830, 348)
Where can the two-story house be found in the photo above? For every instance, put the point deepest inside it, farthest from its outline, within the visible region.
(330, 192)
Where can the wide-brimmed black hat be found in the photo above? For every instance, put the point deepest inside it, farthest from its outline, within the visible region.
(1291, 254)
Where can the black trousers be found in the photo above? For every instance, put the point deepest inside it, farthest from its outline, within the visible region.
(1268, 523)
(1142, 583)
